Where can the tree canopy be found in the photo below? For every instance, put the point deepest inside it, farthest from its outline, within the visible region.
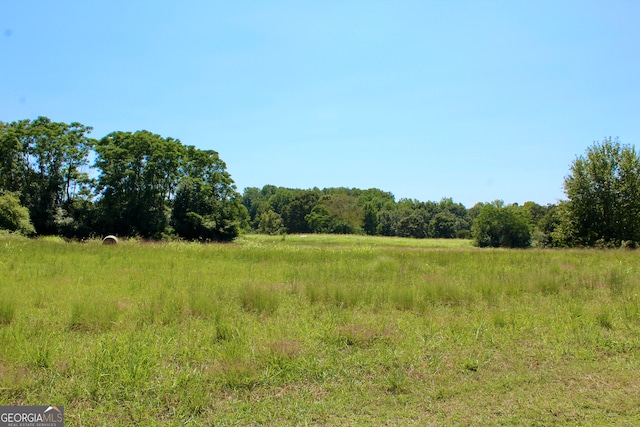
(44, 162)
(130, 190)
(502, 226)
(56, 179)
(603, 188)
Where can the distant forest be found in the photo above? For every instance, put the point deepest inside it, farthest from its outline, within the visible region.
(275, 210)
(56, 180)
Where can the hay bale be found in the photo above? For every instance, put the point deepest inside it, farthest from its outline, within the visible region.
(110, 240)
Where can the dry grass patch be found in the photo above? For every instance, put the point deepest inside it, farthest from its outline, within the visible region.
(284, 349)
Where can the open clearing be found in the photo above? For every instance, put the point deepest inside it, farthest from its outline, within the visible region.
(320, 330)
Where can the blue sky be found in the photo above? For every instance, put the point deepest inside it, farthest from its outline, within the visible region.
(473, 100)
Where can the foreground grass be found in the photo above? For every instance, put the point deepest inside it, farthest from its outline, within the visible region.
(320, 330)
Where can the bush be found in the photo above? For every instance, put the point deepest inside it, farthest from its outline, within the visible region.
(271, 223)
(14, 216)
(502, 226)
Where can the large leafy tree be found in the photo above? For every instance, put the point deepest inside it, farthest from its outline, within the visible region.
(414, 223)
(337, 212)
(207, 205)
(347, 215)
(388, 219)
(373, 201)
(45, 162)
(443, 225)
(502, 226)
(281, 198)
(319, 219)
(549, 228)
(603, 188)
(14, 156)
(256, 201)
(449, 210)
(370, 220)
(270, 222)
(139, 174)
(294, 214)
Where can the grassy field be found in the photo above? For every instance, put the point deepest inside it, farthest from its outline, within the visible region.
(320, 330)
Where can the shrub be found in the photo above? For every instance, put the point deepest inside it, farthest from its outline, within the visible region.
(502, 226)
(14, 216)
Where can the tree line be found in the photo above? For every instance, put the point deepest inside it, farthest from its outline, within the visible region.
(56, 180)
(602, 209)
(277, 210)
(139, 184)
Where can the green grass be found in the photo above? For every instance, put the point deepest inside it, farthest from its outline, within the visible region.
(319, 330)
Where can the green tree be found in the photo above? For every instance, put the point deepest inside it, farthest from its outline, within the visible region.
(473, 211)
(536, 211)
(45, 163)
(256, 201)
(547, 231)
(346, 214)
(271, 223)
(251, 200)
(14, 216)
(294, 214)
(370, 220)
(378, 197)
(413, 223)
(206, 205)
(502, 226)
(281, 198)
(443, 225)
(77, 219)
(337, 213)
(388, 219)
(372, 201)
(603, 188)
(192, 217)
(462, 222)
(139, 174)
(319, 219)
(199, 214)
(14, 156)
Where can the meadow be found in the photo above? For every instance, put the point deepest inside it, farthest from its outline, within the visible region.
(320, 330)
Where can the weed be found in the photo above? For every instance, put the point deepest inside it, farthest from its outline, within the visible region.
(471, 365)
(604, 319)
(259, 299)
(398, 381)
(403, 297)
(314, 293)
(615, 280)
(7, 309)
(203, 302)
(90, 314)
(548, 285)
(499, 320)
(283, 349)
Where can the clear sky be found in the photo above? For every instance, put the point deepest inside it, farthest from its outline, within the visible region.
(473, 100)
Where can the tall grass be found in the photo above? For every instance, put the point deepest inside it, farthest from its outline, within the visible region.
(259, 299)
(7, 309)
(319, 330)
(92, 313)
